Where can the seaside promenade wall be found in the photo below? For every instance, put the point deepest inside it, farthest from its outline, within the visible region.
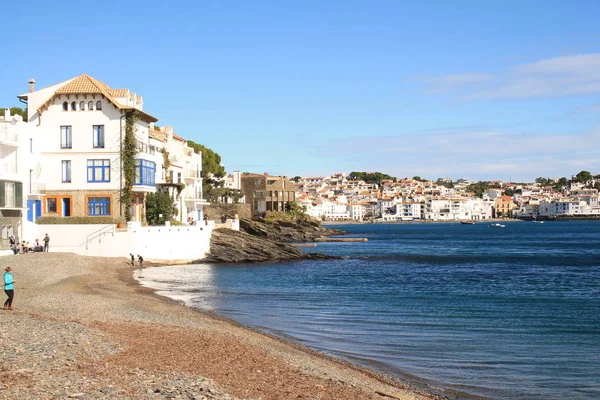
(154, 243)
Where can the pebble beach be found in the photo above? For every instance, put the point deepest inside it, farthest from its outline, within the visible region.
(83, 328)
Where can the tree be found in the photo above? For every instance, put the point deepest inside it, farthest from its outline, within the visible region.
(542, 181)
(369, 177)
(296, 178)
(561, 184)
(212, 170)
(417, 178)
(583, 177)
(160, 208)
(509, 192)
(16, 111)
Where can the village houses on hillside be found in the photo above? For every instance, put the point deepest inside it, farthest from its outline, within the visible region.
(338, 198)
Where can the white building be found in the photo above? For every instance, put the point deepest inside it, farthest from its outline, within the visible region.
(81, 124)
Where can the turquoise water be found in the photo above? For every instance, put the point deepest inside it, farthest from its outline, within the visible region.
(508, 312)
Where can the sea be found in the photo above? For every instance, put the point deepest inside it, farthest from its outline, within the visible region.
(463, 310)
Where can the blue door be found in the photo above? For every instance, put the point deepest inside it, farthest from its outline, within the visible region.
(30, 204)
(38, 209)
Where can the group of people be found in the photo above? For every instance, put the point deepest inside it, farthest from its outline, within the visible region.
(140, 260)
(25, 247)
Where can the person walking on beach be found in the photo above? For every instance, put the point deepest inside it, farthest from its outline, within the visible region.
(141, 261)
(205, 219)
(9, 288)
(132, 259)
(46, 242)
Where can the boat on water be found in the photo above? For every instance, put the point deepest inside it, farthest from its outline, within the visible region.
(497, 226)
(537, 222)
(467, 222)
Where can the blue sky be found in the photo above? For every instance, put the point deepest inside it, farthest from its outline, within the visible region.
(485, 90)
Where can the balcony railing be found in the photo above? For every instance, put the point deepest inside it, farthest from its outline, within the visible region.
(38, 188)
(191, 173)
(6, 168)
(8, 135)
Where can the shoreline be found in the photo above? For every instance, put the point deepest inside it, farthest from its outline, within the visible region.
(137, 344)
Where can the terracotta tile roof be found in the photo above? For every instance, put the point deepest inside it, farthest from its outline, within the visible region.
(85, 84)
(118, 92)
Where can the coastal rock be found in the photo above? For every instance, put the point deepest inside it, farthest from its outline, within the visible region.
(229, 246)
(298, 230)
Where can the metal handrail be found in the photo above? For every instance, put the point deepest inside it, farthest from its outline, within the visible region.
(99, 233)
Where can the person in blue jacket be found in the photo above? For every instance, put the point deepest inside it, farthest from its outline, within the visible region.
(9, 288)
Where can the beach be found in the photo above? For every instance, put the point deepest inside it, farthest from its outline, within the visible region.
(83, 328)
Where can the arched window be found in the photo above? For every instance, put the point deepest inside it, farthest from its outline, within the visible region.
(90, 105)
(73, 106)
(65, 106)
(81, 105)
(98, 105)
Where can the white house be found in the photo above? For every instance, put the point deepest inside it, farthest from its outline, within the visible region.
(81, 124)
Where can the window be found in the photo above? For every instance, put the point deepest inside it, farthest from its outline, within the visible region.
(65, 137)
(73, 106)
(179, 177)
(65, 106)
(171, 176)
(66, 171)
(98, 206)
(11, 194)
(98, 171)
(98, 105)
(81, 105)
(51, 205)
(90, 105)
(145, 173)
(98, 132)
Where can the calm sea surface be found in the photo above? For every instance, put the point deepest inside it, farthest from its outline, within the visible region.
(508, 312)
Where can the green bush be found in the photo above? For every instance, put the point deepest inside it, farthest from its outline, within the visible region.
(174, 222)
(50, 220)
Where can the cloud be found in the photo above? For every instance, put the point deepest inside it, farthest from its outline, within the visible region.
(482, 155)
(551, 77)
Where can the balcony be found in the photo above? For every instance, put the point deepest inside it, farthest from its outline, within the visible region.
(8, 135)
(7, 168)
(190, 173)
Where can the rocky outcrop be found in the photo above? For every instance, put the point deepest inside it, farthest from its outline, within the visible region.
(229, 246)
(298, 230)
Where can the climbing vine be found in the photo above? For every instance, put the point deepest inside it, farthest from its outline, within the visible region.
(166, 164)
(128, 154)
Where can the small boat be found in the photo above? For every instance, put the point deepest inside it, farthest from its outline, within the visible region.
(467, 222)
(497, 226)
(537, 222)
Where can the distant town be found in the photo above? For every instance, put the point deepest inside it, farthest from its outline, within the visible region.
(344, 197)
(363, 196)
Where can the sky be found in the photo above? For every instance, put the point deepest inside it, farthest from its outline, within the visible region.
(483, 90)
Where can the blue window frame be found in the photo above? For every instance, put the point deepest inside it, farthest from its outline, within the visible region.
(145, 172)
(98, 170)
(66, 171)
(65, 137)
(98, 206)
(98, 133)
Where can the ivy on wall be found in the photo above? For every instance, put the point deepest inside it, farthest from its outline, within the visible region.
(128, 154)
(166, 164)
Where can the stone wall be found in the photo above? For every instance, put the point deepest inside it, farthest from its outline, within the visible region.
(10, 221)
(216, 210)
(79, 201)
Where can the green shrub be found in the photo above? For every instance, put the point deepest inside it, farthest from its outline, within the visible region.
(51, 220)
(174, 222)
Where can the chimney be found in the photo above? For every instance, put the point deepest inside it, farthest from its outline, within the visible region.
(169, 131)
(31, 85)
(6, 114)
(151, 126)
(266, 174)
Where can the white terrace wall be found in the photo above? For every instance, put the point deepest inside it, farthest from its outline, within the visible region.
(171, 243)
(154, 243)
